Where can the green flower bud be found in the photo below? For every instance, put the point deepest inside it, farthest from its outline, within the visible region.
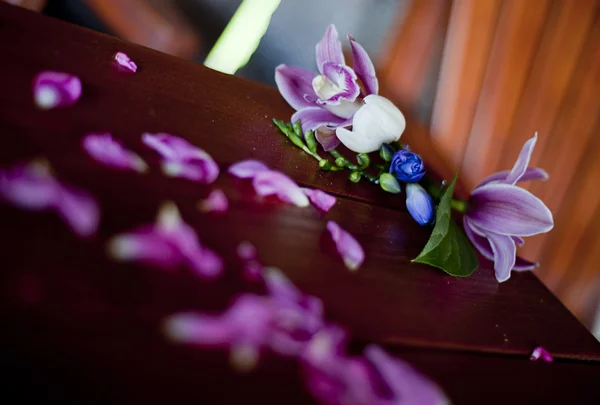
(296, 140)
(363, 160)
(325, 164)
(389, 183)
(386, 152)
(340, 162)
(354, 177)
(298, 128)
(311, 141)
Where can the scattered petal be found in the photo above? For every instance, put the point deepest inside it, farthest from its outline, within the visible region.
(347, 246)
(168, 244)
(246, 251)
(32, 187)
(55, 89)
(110, 152)
(182, 159)
(541, 353)
(125, 63)
(272, 182)
(247, 169)
(320, 199)
(215, 202)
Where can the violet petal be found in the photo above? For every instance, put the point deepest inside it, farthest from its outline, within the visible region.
(541, 353)
(315, 117)
(522, 161)
(530, 174)
(524, 265)
(272, 182)
(347, 246)
(215, 202)
(247, 169)
(480, 242)
(505, 254)
(363, 66)
(55, 89)
(246, 251)
(344, 80)
(408, 386)
(329, 49)
(182, 159)
(79, 210)
(124, 62)
(105, 149)
(508, 210)
(295, 86)
(145, 245)
(327, 138)
(320, 199)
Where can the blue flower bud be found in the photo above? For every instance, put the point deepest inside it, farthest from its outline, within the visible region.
(407, 166)
(419, 204)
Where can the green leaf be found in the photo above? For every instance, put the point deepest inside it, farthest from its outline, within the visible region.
(448, 248)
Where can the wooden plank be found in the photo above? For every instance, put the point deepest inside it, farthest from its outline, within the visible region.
(134, 364)
(408, 55)
(548, 82)
(392, 301)
(576, 124)
(466, 54)
(519, 29)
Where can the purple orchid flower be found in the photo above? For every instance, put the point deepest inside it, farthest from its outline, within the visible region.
(330, 99)
(34, 188)
(167, 244)
(499, 214)
(284, 321)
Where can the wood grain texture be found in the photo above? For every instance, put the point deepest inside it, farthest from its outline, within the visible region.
(557, 56)
(570, 138)
(517, 35)
(93, 325)
(466, 54)
(409, 50)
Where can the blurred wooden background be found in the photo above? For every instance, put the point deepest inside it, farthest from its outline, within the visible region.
(484, 75)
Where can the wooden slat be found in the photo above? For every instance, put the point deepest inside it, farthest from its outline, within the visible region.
(392, 301)
(408, 55)
(548, 82)
(517, 36)
(466, 53)
(135, 364)
(576, 213)
(569, 138)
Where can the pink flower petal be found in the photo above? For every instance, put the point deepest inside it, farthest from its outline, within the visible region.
(320, 199)
(167, 244)
(182, 159)
(33, 187)
(110, 152)
(125, 63)
(347, 246)
(541, 353)
(246, 251)
(272, 182)
(55, 89)
(247, 169)
(215, 202)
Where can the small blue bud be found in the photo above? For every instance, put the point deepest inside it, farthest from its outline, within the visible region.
(419, 204)
(407, 166)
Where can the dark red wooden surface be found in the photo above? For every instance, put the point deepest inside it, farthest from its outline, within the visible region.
(71, 313)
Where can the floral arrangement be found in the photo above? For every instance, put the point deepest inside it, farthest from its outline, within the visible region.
(340, 105)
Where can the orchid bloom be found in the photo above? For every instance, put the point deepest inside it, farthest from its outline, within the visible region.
(499, 214)
(332, 98)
